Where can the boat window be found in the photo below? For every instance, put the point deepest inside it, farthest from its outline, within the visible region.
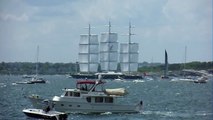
(108, 100)
(70, 93)
(99, 99)
(76, 94)
(66, 94)
(89, 99)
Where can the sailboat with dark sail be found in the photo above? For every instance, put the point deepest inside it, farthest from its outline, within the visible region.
(165, 76)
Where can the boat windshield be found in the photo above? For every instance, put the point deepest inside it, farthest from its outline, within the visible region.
(87, 85)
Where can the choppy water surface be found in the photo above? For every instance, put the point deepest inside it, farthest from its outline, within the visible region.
(163, 99)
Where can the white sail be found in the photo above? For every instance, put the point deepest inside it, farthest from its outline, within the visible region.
(129, 57)
(105, 37)
(88, 53)
(109, 66)
(109, 46)
(109, 51)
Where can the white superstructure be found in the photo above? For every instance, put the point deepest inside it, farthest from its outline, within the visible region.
(88, 53)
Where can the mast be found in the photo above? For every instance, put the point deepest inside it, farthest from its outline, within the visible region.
(129, 54)
(108, 50)
(88, 51)
(89, 35)
(129, 44)
(109, 46)
(37, 54)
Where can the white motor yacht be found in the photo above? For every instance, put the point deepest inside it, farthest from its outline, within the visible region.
(89, 96)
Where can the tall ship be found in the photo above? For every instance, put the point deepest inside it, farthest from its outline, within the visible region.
(109, 55)
(88, 57)
(101, 58)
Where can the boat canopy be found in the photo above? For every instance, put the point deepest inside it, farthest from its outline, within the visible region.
(88, 85)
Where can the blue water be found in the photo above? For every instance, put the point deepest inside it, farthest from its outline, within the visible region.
(163, 99)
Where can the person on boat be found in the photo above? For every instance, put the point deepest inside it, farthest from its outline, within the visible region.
(47, 109)
(99, 77)
(140, 105)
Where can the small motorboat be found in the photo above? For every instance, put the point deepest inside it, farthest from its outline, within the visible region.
(202, 79)
(42, 114)
(37, 80)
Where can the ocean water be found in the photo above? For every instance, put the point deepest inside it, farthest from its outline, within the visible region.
(163, 99)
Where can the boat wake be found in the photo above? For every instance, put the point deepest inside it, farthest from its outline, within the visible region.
(138, 81)
(2, 85)
(182, 80)
(177, 114)
(106, 113)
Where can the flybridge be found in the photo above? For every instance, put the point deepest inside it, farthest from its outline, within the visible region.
(93, 53)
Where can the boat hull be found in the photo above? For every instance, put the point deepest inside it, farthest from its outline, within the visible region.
(79, 106)
(38, 113)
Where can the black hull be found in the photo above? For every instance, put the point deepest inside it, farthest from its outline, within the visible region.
(33, 82)
(132, 77)
(165, 77)
(200, 82)
(82, 76)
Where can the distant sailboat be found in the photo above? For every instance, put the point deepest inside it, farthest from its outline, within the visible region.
(165, 76)
(36, 79)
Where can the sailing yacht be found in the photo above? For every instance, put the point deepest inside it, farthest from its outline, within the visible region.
(36, 79)
(165, 76)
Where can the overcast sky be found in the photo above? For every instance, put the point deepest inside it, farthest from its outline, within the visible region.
(56, 25)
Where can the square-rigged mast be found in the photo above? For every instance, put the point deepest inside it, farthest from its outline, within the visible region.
(109, 51)
(88, 52)
(129, 55)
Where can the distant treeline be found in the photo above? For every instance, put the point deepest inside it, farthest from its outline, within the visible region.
(65, 68)
(30, 68)
(178, 67)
